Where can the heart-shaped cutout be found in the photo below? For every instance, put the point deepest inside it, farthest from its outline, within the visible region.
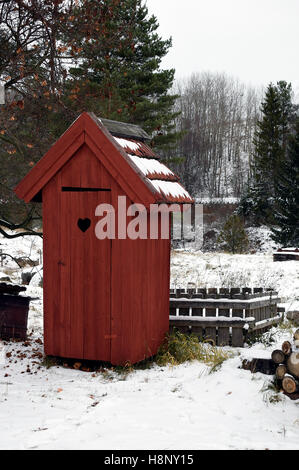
(84, 224)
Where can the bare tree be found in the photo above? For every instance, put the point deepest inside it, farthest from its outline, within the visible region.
(218, 115)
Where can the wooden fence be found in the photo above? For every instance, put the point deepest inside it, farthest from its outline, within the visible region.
(224, 316)
(286, 254)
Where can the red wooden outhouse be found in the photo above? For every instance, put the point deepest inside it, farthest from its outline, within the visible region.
(104, 299)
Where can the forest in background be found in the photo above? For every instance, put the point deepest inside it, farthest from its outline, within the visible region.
(223, 138)
(217, 117)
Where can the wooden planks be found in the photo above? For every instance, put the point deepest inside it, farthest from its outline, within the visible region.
(77, 265)
(224, 316)
(220, 332)
(140, 295)
(53, 264)
(286, 254)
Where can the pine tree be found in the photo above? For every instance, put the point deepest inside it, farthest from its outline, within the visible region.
(268, 142)
(233, 235)
(121, 65)
(64, 57)
(270, 149)
(286, 209)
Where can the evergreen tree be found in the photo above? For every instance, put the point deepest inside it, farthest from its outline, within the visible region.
(121, 65)
(286, 209)
(64, 57)
(270, 150)
(287, 110)
(233, 235)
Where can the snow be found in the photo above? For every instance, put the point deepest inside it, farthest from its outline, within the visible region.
(127, 144)
(180, 407)
(150, 165)
(286, 253)
(225, 299)
(205, 319)
(170, 188)
(217, 200)
(196, 269)
(260, 238)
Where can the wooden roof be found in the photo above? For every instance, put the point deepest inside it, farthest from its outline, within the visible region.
(134, 165)
(124, 129)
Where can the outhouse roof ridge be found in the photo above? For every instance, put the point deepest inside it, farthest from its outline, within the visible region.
(125, 129)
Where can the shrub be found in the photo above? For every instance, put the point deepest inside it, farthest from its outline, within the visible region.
(233, 235)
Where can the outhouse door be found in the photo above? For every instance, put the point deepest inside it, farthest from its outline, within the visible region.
(79, 320)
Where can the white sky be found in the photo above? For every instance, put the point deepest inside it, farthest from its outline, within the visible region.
(256, 41)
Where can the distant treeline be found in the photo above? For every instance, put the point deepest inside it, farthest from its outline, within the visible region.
(218, 116)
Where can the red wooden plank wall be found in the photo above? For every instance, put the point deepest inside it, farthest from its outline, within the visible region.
(103, 300)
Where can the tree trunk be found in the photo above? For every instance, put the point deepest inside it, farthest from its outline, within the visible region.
(293, 364)
(289, 384)
(281, 371)
(265, 366)
(286, 348)
(278, 356)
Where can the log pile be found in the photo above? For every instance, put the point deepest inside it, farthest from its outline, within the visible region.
(286, 360)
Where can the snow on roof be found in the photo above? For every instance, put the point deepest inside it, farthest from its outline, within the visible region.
(151, 167)
(155, 173)
(136, 147)
(172, 190)
(128, 144)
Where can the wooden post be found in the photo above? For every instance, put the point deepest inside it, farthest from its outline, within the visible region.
(237, 337)
(223, 336)
(198, 331)
(211, 334)
(210, 312)
(223, 312)
(237, 312)
(172, 311)
(184, 312)
(197, 312)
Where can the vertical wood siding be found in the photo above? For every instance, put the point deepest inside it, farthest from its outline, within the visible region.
(103, 300)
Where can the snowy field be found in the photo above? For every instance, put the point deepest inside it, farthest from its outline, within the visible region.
(164, 408)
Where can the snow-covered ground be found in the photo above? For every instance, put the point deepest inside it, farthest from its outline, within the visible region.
(225, 270)
(181, 407)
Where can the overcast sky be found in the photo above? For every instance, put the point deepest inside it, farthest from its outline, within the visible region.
(256, 41)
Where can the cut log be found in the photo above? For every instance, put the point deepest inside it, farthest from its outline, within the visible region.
(278, 356)
(286, 348)
(293, 364)
(281, 371)
(289, 384)
(265, 366)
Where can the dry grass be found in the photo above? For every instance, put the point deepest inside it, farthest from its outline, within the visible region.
(179, 348)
